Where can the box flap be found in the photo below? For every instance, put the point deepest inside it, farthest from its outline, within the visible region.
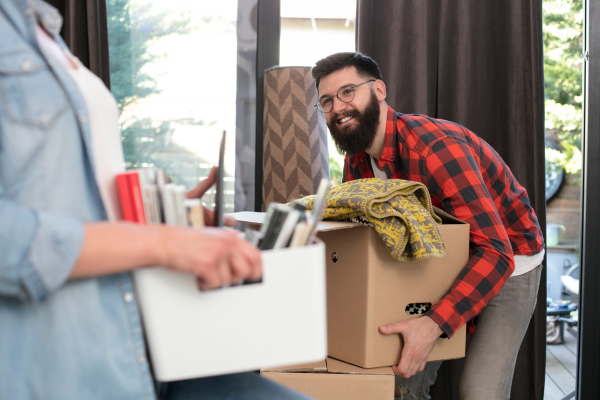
(319, 366)
(447, 218)
(257, 218)
(339, 367)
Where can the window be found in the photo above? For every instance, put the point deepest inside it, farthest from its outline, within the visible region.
(310, 31)
(173, 67)
(563, 33)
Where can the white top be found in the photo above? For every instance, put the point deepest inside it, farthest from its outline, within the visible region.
(523, 264)
(378, 172)
(103, 114)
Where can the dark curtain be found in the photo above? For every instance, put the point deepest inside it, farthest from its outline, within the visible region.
(480, 64)
(85, 32)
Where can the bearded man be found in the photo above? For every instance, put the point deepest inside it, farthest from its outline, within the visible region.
(467, 178)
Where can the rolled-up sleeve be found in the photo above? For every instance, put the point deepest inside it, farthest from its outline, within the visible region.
(37, 250)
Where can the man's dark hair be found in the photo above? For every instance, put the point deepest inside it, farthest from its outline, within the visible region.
(364, 66)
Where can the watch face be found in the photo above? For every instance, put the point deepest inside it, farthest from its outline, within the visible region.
(555, 174)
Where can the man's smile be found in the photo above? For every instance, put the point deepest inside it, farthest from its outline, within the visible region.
(343, 120)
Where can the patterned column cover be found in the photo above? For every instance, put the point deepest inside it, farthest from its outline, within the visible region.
(295, 154)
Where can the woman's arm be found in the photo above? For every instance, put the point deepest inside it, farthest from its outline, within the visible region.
(216, 256)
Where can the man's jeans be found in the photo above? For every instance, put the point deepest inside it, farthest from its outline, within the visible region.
(246, 386)
(492, 350)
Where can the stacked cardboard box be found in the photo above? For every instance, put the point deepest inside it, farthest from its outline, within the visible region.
(335, 380)
(368, 288)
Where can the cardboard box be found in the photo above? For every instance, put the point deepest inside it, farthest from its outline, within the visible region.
(280, 321)
(335, 380)
(367, 288)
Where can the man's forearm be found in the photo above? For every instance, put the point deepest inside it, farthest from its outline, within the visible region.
(116, 247)
(467, 296)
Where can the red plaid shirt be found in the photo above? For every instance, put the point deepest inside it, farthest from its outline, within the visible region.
(469, 180)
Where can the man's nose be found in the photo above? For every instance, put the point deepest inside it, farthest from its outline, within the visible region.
(338, 105)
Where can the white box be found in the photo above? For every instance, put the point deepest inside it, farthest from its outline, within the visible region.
(278, 322)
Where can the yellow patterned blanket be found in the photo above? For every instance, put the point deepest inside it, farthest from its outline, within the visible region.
(400, 210)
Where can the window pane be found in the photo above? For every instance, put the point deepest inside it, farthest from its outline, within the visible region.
(562, 29)
(173, 72)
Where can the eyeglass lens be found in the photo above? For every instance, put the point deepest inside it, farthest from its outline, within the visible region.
(345, 94)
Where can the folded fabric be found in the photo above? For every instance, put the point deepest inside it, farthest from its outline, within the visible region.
(400, 211)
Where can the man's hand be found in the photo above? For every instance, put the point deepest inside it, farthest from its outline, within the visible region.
(420, 336)
(198, 192)
(216, 256)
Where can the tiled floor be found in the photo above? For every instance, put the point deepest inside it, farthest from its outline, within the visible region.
(561, 362)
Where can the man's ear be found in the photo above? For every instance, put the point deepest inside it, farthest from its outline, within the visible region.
(380, 90)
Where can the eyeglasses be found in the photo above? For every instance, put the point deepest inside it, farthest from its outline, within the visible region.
(345, 95)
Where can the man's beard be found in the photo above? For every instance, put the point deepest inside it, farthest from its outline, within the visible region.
(358, 139)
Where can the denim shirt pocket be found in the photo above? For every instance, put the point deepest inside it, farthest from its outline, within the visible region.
(29, 91)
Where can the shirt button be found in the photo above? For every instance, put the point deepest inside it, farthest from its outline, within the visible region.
(27, 11)
(82, 119)
(141, 359)
(26, 66)
(128, 297)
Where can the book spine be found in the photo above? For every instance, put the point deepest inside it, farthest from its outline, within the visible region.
(287, 228)
(125, 197)
(195, 213)
(179, 202)
(139, 215)
(167, 199)
(275, 223)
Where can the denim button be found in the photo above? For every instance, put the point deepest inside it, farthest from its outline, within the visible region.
(141, 359)
(82, 119)
(27, 11)
(128, 297)
(26, 66)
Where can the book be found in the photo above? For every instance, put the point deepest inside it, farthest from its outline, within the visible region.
(179, 205)
(317, 213)
(287, 226)
(298, 233)
(273, 227)
(125, 197)
(194, 212)
(130, 196)
(168, 207)
(149, 191)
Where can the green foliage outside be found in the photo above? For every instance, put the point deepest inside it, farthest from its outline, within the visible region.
(563, 35)
(133, 27)
(335, 172)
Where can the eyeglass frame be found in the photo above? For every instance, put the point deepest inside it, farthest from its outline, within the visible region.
(318, 105)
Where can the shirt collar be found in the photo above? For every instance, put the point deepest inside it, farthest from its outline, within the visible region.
(48, 17)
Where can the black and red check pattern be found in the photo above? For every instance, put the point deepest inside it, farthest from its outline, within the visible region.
(469, 180)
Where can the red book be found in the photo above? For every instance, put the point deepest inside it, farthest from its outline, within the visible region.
(130, 195)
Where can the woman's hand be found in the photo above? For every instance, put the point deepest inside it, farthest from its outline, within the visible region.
(216, 256)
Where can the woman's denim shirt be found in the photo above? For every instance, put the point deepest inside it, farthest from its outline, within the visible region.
(59, 339)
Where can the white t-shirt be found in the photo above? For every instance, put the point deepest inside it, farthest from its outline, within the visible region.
(523, 264)
(103, 120)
